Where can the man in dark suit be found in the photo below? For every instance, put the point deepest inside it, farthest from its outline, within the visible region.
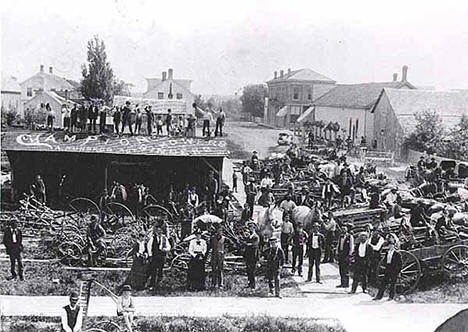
(303, 198)
(328, 193)
(252, 242)
(149, 120)
(393, 265)
(126, 117)
(299, 239)
(274, 263)
(362, 257)
(345, 250)
(251, 193)
(13, 241)
(315, 245)
(157, 248)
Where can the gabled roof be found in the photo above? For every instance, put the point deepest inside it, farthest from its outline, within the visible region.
(56, 97)
(10, 84)
(49, 81)
(363, 95)
(449, 105)
(304, 74)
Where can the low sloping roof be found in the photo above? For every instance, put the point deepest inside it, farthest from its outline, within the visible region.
(304, 74)
(55, 96)
(363, 95)
(103, 144)
(48, 82)
(450, 105)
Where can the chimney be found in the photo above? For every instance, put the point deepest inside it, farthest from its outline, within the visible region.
(163, 75)
(281, 73)
(42, 68)
(276, 74)
(170, 73)
(395, 77)
(51, 70)
(404, 73)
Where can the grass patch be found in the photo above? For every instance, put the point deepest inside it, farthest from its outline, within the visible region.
(52, 279)
(187, 324)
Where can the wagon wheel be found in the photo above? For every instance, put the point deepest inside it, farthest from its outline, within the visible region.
(455, 261)
(117, 214)
(409, 275)
(107, 326)
(129, 258)
(180, 261)
(84, 205)
(157, 212)
(70, 253)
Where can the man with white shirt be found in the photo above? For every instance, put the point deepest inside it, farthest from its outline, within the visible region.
(157, 248)
(287, 205)
(376, 241)
(72, 315)
(330, 228)
(393, 265)
(362, 254)
(303, 198)
(315, 244)
(328, 193)
(207, 120)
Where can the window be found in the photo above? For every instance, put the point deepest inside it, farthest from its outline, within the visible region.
(309, 93)
(179, 96)
(29, 92)
(296, 93)
(160, 95)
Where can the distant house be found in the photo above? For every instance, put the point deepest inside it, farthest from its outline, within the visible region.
(170, 93)
(49, 97)
(48, 81)
(395, 109)
(350, 105)
(290, 94)
(11, 94)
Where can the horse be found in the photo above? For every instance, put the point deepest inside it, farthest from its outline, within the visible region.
(269, 222)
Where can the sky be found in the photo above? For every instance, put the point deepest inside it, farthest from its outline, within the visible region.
(225, 45)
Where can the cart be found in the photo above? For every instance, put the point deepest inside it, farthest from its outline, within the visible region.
(451, 259)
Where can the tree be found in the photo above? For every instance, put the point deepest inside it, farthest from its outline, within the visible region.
(456, 144)
(9, 115)
(98, 77)
(121, 88)
(253, 99)
(428, 132)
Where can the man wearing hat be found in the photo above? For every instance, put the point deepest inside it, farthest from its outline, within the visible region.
(251, 193)
(157, 247)
(393, 265)
(329, 227)
(328, 192)
(217, 257)
(72, 315)
(315, 245)
(252, 241)
(126, 117)
(345, 250)
(274, 263)
(376, 242)
(362, 254)
(13, 241)
(299, 239)
(418, 216)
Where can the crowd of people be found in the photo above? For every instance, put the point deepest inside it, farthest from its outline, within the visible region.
(94, 117)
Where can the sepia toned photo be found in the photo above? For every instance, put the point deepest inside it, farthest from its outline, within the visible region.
(234, 166)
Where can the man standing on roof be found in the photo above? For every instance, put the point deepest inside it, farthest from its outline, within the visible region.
(126, 117)
(72, 315)
(220, 118)
(207, 120)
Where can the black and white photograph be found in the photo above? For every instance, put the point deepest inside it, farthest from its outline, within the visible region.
(234, 166)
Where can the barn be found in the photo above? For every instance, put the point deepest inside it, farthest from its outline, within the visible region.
(91, 163)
